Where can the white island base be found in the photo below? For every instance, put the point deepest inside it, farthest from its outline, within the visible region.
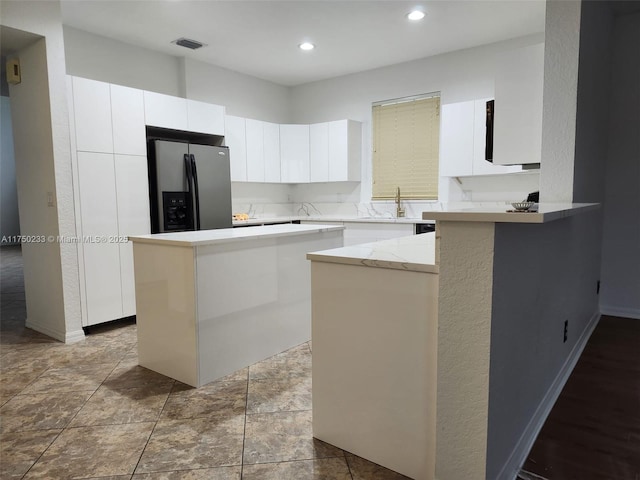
(211, 302)
(374, 317)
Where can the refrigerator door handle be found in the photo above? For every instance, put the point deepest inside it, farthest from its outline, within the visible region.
(187, 169)
(194, 172)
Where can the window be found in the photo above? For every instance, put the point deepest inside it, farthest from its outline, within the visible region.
(406, 137)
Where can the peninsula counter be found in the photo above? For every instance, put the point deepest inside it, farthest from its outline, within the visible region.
(374, 332)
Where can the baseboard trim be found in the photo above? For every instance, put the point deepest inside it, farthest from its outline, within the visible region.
(65, 337)
(620, 312)
(521, 450)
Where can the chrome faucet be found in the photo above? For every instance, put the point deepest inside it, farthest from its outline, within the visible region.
(399, 210)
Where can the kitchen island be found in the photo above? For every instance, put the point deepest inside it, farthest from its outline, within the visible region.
(211, 302)
(374, 331)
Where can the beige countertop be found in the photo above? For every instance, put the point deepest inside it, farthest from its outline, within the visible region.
(413, 253)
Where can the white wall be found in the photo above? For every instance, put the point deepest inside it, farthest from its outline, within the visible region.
(458, 76)
(43, 164)
(9, 221)
(243, 95)
(101, 58)
(562, 43)
(620, 293)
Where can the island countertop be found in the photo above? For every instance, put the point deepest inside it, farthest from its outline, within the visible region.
(226, 235)
(542, 213)
(413, 253)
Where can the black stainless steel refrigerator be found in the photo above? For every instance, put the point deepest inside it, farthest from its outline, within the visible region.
(189, 187)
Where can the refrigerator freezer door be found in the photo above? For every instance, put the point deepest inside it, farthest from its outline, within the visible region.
(173, 202)
(214, 186)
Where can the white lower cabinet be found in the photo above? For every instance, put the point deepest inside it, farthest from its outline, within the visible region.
(361, 232)
(356, 233)
(99, 216)
(114, 203)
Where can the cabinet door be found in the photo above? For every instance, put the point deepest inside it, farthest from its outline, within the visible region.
(456, 139)
(518, 106)
(294, 153)
(480, 166)
(255, 150)
(99, 214)
(271, 152)
(361, 232)
(165, 111)
(345, 150)
(132, 194)
(319, 152)
(236, 139)
(92, 110)
(127, 114)
(205, 117)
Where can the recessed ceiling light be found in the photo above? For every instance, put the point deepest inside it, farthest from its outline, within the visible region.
(306, 46)
(415, 15)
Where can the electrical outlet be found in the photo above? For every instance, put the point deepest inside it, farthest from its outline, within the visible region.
(598, 288)
(566, 331)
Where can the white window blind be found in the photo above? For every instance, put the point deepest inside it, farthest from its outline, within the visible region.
(406, 138)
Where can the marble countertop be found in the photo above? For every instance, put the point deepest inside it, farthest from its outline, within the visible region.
(328, 218)
(413, 253)
(545, 212)
(226, 235)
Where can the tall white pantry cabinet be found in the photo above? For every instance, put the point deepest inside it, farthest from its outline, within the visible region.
(111, 193)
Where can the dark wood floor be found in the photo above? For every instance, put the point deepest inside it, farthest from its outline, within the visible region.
(593, 430)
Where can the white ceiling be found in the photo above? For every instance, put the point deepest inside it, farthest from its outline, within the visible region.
(260, 38)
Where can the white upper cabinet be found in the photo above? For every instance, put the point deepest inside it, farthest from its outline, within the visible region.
(518, 106)
(255, 150)
(294, 153)
(319, 152)
(271, 132)
(127, 107)
(463, 140)
(165, 111)
(205, 117)
(92, 111)
(345, 150)
(480, 166)
(456, 139)
(235, 138)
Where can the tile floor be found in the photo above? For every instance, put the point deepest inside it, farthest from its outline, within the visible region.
(87, 410)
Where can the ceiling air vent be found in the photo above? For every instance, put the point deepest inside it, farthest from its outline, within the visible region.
(188, 43)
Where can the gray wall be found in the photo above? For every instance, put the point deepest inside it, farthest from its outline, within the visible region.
(620, 293)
